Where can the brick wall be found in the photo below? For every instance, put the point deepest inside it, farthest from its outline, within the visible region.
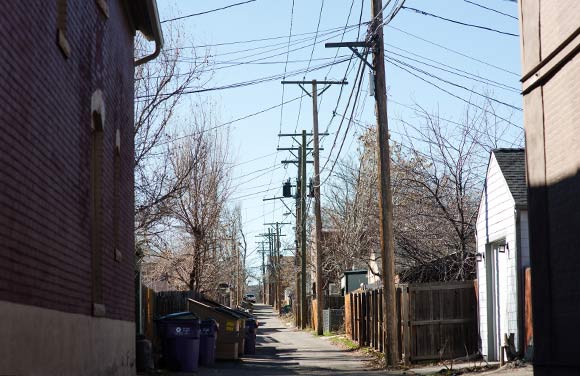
(45, 133)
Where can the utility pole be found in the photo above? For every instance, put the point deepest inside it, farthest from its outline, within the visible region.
(278, 268)
(316, 183)
(317, 213)
(385, 194)
(263, 251)
(277, 277)
(303, 306)
(301, 214)
(297, 298)
(270, 297)
(270, 263)
(384, 176)
(237, 254)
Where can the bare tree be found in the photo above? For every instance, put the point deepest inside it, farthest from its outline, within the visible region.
(437, 177)
(161, 87)
(201, 205)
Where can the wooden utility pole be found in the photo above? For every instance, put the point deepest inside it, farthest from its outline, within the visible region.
(237, 256)
(317, 212)
(384, 175)
(316, 183)
(270, 269)
(303, 307)
(391, 348)
(301, 215)
(298, 300)
(278, 268)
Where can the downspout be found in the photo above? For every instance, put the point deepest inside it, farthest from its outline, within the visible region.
(157, 34)
(519, 277)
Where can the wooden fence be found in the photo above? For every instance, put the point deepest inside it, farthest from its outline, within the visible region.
(435, 320)
(330, 302)
(158, 304)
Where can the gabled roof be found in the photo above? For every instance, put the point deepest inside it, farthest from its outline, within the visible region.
(512, 163)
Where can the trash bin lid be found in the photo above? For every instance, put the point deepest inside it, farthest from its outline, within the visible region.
(230, 312)
(180, 316)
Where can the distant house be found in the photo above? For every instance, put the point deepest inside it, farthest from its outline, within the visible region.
(503, 251)
(67, 290)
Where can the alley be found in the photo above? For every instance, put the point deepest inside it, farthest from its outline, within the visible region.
(285, 351)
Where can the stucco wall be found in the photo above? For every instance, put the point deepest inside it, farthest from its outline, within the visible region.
(40, 341)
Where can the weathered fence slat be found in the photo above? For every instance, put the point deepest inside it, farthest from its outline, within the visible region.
(435, 320)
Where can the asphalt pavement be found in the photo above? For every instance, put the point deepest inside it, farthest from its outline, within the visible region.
(283, 350)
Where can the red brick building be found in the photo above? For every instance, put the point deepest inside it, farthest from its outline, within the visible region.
(550, 39)
(66, 184)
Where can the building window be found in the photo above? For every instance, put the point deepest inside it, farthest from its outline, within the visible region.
(61, 24)
(96, 193)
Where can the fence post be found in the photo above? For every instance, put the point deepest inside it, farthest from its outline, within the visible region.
(405, 317)
(373, 318)
(381, 328)
(399, 320)
(355, 317)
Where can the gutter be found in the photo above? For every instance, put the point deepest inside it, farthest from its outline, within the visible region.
(156, 30)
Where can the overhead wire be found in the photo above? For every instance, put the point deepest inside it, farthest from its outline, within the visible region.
(229, 122)
(208, 11)
(422, 12)
(392, 60)
(467, 75)
(453, 94)
(490, 9)
(241, 83)
(453, 51)
(337, 28)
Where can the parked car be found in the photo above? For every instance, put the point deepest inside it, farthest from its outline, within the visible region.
(250, 298)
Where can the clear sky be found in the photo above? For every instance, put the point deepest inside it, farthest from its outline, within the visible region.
(258, 172)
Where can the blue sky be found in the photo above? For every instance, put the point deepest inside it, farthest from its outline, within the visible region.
(415, 36)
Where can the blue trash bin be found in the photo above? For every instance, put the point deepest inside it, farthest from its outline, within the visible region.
(208, 342)
(180, 340)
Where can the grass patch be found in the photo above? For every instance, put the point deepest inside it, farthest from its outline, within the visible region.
(344, 342)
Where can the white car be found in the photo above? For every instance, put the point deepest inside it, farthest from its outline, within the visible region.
(250, 298)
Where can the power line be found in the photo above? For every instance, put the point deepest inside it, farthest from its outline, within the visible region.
(418, 11)
(338, 28)
(316, 35)
(360, 76)
(231, 121)
(242, 83)
(454, 51)
(253, 194)
(393, 60)
(455, 95)
(208, 11)
(473, 76)
(285, 70)
(490, 9)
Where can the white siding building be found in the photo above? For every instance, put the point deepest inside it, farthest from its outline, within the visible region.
(503, 251)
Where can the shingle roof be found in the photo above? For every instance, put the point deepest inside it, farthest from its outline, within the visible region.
(512, 163)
